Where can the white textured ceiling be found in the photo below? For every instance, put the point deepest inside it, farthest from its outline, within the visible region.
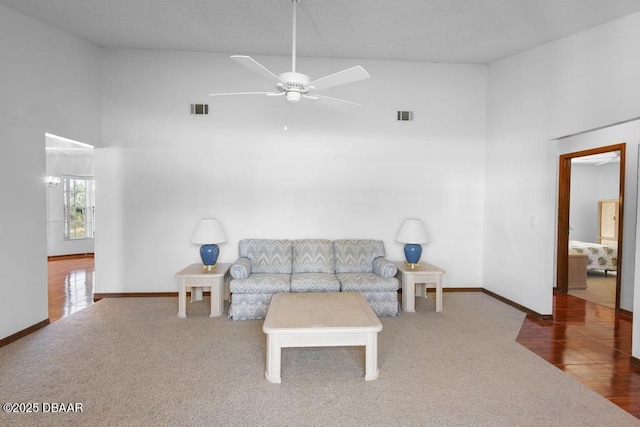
(468, 31)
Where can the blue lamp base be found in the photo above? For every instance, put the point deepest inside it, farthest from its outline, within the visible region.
(412, 252)
(209, 255)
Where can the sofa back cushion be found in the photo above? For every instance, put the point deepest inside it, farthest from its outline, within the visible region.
(356, 256)
(267, 256)
(313, 256)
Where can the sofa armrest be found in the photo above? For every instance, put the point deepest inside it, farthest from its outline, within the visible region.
(241, 269)
(383, 267)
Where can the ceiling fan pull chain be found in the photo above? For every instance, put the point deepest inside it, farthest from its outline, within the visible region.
(285, 114)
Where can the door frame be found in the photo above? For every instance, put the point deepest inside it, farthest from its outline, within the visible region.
(564, 201)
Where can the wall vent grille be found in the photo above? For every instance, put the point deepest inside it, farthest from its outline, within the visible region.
(199, 109)
(405, 116)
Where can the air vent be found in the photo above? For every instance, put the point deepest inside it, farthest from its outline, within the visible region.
(199, 109)
(405, 116)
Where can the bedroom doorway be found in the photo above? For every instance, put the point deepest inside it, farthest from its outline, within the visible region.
(583, 256)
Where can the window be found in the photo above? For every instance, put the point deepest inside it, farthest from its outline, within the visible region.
(79, 208)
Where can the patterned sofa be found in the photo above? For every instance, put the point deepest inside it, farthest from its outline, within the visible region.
(266, 267)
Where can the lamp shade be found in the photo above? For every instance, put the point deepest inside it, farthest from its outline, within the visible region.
(209, 231)
(412, 231)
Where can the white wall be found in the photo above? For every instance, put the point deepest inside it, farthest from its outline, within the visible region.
(608, 181)
(589, 185)
(583, 214)
(333, 174)
(49, 83)
(582, 82)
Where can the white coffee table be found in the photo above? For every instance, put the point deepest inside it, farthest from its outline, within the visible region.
(323, 319)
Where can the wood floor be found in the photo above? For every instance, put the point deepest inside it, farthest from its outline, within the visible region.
(591, 343)
(70, 286)
(586, 340)
(600, 289)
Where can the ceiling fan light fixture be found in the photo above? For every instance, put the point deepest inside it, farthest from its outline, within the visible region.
(293, 97)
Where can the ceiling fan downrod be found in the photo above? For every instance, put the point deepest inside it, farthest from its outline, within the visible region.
(293, 48)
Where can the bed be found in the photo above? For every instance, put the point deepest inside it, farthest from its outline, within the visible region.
(599, 257)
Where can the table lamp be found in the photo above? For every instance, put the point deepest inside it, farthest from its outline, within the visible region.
(413, 234)
(208, 234)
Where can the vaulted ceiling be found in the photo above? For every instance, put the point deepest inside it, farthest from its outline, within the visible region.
(466, 31)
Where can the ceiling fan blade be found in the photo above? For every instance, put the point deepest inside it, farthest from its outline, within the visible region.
(609, 160)
(332, 102)
(349, 75)
(246, 93)
(256, 67)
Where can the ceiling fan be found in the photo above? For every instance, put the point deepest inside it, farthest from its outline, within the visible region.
(598, 159)
(610, 159)
(295, 86)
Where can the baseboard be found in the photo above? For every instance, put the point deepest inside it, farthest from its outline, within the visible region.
(433, 290)
(99, 296)
(70, 256)
(546, 317)
(23, 333)
(625, 313)
(634, 361)
(458, 289)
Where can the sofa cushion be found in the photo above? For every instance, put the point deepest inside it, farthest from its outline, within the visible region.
(366, 282)
(356, 256)
(313, 256)
(261, 283)
(267, 256)
(314, 282)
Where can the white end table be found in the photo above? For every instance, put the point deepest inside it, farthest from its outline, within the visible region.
(194, 278)
(427, 274)
(320, 319)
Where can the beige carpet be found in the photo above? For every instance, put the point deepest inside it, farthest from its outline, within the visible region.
(134, 362)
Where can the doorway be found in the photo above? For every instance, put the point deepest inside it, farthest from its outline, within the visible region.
(575, 258)
(70, 202)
